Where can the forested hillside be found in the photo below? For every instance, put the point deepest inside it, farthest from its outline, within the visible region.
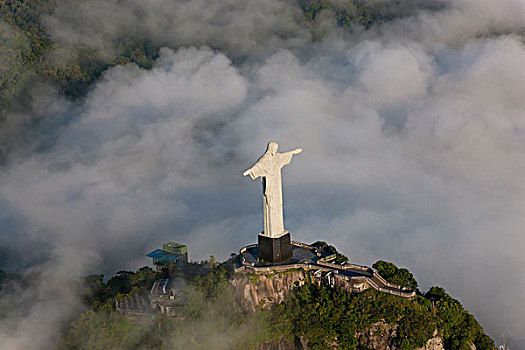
(322, 316)
(28, 54)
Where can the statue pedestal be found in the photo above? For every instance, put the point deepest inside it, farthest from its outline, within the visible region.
(275, 250)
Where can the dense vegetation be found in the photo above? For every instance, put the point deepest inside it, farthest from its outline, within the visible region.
(360, 12)
(122, 285)
(24, 62)
(459, 327)
(393, 274)
(325, 316)
(26, 46)
(211, 318)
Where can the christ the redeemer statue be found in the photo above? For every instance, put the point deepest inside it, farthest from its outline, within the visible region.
(268, 168)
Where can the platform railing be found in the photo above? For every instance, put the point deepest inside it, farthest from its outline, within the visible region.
(383, 286)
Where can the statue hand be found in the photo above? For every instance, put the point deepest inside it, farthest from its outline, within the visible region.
(297, 150)
(246, 173)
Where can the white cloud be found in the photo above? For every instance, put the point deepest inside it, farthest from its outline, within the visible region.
(412, 144)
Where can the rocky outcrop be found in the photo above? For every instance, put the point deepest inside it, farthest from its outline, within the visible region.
(264, 290)
(435, 343)
(379, 336)
(382, 336)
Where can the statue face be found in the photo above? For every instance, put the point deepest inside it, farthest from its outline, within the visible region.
(272, 147)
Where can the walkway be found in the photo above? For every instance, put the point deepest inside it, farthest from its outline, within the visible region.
(309, 258)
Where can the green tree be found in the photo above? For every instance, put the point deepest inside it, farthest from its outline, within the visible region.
(393, 274)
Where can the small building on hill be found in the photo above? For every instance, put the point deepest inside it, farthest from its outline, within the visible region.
(171, 254)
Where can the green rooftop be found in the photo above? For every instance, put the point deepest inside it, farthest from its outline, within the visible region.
(174, 247)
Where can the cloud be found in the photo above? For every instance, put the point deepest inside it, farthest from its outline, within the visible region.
(237, 27)
(412, 135)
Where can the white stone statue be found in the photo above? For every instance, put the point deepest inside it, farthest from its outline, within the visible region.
(268, 167)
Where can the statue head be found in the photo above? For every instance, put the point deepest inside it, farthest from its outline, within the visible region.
(272, 147)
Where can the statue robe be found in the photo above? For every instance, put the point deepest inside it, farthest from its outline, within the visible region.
(268, 167)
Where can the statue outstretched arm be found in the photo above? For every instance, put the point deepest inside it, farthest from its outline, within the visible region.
(286, 157)
(253, 172)
(292, 152)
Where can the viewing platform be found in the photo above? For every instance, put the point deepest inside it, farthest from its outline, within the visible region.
(319, 260)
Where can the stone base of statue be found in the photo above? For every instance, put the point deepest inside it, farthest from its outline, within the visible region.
(275, 250)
